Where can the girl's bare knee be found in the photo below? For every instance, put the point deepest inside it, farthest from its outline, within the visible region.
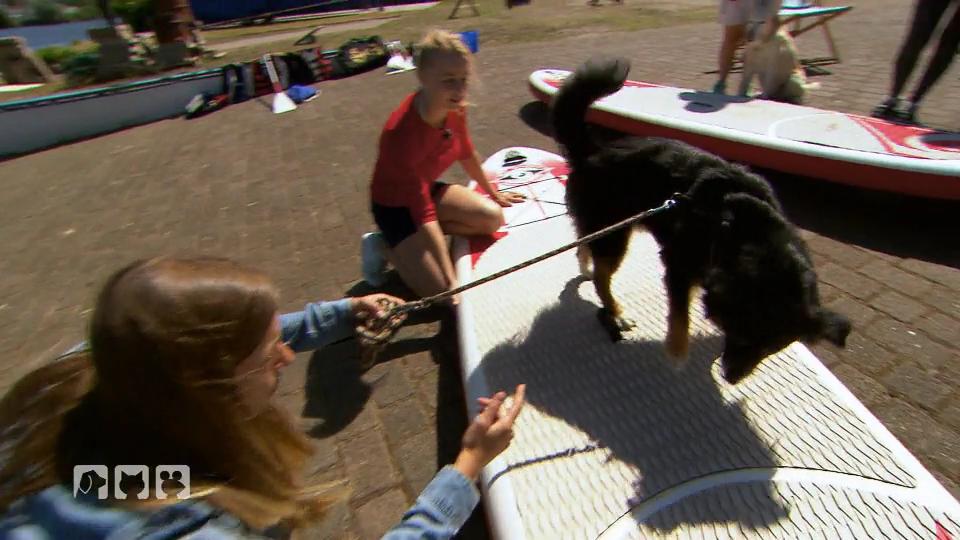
(493, 219)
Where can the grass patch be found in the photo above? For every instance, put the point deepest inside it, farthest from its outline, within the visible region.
(542, 20)
(229, 34)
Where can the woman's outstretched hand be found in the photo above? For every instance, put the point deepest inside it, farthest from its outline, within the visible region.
(489, 434)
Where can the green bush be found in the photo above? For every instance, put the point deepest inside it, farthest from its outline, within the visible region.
(59, 58)
(55, 56)
(81, 69)
(84, 13)
(136, 13)
(6, 21)
(43, 12)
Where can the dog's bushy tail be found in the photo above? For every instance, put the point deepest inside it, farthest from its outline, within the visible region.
(591, 81)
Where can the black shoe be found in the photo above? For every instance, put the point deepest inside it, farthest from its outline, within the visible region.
(907, 114)
(886, 110)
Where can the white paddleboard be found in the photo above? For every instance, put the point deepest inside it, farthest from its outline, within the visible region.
(616, 443)
(846, 148)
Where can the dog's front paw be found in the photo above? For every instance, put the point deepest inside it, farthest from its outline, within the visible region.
(615, 325)
(585, 263)
(678, 346)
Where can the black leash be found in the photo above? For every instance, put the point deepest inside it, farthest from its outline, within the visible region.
(376, 332)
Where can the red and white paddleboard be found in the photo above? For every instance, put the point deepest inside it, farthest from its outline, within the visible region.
(845, 148)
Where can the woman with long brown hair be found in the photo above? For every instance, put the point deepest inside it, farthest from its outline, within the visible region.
(184, 357)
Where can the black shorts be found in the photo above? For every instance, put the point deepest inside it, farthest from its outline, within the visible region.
(396, 222)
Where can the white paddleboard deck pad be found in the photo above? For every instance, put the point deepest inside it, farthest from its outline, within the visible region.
(617, 442)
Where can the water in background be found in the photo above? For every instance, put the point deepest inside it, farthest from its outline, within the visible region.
(54, 34)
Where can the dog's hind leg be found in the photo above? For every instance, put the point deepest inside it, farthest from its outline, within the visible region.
(607, 254)
(678, 319)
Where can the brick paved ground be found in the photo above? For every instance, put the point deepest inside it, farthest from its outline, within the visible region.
(288, 195)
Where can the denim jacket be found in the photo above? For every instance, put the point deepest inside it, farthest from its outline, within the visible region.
(54, 513)
(319, 324)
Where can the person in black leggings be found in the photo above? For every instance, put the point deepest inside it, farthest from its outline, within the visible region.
(926, 16)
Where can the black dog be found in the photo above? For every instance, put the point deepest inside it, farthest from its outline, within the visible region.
(727, 233)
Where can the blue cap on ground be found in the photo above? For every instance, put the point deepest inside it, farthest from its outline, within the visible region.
(299, 93)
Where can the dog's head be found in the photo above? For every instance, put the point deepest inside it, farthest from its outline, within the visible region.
(761, 288)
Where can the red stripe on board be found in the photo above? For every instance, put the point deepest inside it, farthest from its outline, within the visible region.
(942, 533)
(896, 135)
(479, 244)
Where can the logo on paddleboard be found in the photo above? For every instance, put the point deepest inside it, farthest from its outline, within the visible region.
(522, 175)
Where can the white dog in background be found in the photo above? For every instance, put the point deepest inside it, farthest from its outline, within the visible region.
(776, 64)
